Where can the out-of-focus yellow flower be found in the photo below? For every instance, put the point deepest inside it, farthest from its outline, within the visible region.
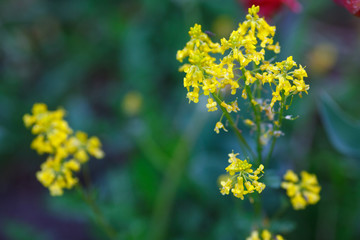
(301, 193)
(132, 103)
(322, 58)
(242, 179)
(66, 151)
(265, 235)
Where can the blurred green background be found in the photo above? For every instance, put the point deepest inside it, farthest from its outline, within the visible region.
(111, 65)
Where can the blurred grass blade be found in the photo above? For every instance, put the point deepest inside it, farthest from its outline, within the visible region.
(342, 130)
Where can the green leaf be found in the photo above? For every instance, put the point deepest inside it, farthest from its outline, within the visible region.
(342, 130)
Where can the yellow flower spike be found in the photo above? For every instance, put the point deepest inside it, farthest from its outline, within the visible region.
(303, 192)
(66, 151)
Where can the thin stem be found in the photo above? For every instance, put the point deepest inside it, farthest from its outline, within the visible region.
(173, 173)
(278, 126)
(257, 122)
(243, 143)
(99, 217)
(258, 207)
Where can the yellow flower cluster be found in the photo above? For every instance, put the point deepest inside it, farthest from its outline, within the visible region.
(241, 174)
(245, 51)
(67, 151)
(301, 193)
(265, 235)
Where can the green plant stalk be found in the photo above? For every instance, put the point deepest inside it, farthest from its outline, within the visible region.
(243, 143)
(99, 217)
(258, 208)
(258, 123)
(273, 142)
(173, 173)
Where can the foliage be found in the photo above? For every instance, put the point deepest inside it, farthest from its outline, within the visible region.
(91, 57)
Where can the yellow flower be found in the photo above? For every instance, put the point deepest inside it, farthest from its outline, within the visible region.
(226, 186)
(301, 193)
(66, 151)
(242, 179)
(265, 235)
(211, 105)
(132, 103)
(219, 126)
(247, 44)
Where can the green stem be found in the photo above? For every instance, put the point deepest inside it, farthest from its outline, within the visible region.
(243, 144)
(258, 123)
(174, 172)
(277, 127)
(99, 217)
(258, 209)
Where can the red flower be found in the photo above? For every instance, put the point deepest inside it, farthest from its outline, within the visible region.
(269, 7)
(352, 6)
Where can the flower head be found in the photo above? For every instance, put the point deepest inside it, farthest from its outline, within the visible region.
(67, 151)
(242, 179)
(301, 192)
(244, 49)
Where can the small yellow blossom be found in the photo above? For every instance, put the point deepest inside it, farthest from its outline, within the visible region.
(242, 179)
(265, 235)
(219, 126)
(235, 106)
(301, 193)
(211, 105)
(249, 123)
(227, 107)
(132, 103)
(66, 151)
